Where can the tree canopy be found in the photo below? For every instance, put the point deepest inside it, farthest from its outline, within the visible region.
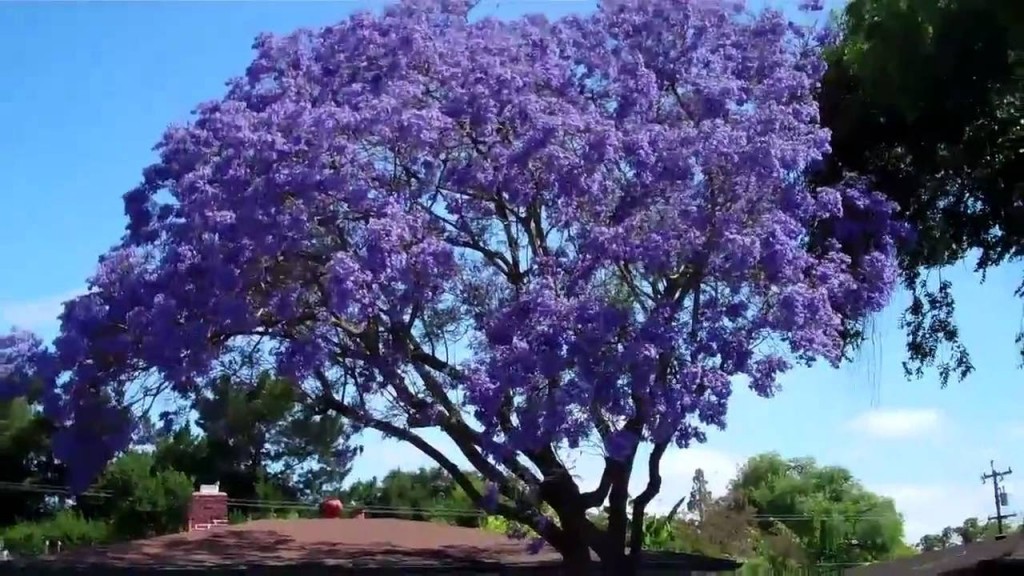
(25, 456)
(528, 234)
(825, 509)
(926, 98)
(254, 429)
(970, 530)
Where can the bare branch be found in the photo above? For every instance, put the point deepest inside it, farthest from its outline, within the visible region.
(517, 514)
(636, 536)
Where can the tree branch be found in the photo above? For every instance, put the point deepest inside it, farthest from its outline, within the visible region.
(550, 531)
(636, 535)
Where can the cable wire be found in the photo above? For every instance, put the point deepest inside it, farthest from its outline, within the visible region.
(50, 489)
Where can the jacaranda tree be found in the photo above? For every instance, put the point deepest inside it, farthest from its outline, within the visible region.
(527, 234)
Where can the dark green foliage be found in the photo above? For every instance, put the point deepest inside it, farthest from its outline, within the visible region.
(68, 527)
(254, 431)
(426, 494)
(829, 513)
(138, 499)
(253, 437)
(970, 530)
(25, 457)
(926, 97)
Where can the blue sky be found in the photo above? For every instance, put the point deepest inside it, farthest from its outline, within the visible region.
(95, 84)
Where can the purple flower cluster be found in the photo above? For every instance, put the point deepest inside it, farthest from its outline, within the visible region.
(602, 219)
(19, 354)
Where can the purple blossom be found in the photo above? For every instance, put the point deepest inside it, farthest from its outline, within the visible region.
(19, 351)
(536, 545)
(621, 445)
(553, 228)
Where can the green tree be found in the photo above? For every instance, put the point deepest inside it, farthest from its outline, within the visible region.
(926, 98)
(930, 542)
(138, 499)
(259, 441)
(183, 450)
(25, 460)
(427, 494)
(700, 495)
(237, 418)
(312, 450)
(834, 518)
(970, 530)
(256, 430)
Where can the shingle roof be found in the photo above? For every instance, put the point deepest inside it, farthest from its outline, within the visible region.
(339, 542)
(323, 541)
(942, 561)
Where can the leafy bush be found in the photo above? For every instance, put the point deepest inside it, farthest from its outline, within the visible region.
(140, 500)
(238, 517)
(69, 528)
(500, 525)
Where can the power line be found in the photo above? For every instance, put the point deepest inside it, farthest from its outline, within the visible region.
(47, 490)
(999, 493)
(439, 512)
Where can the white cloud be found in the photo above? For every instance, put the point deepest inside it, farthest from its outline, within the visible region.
(37, 315)
(719, 468)
(898, 422)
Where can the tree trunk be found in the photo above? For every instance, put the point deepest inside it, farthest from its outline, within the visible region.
(577, 562)
(617, 565)
(612, 563)
(585, 566)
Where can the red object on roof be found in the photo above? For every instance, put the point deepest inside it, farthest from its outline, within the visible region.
(331, 508)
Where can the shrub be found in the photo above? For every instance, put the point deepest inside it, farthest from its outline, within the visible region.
(67, 527)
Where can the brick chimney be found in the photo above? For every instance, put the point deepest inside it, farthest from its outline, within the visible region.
(208, 508)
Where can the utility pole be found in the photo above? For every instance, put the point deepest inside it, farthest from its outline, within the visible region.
(999, 493)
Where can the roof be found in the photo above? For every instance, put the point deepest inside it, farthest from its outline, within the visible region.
(376, 542)
(320, 541)
(943, 561)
